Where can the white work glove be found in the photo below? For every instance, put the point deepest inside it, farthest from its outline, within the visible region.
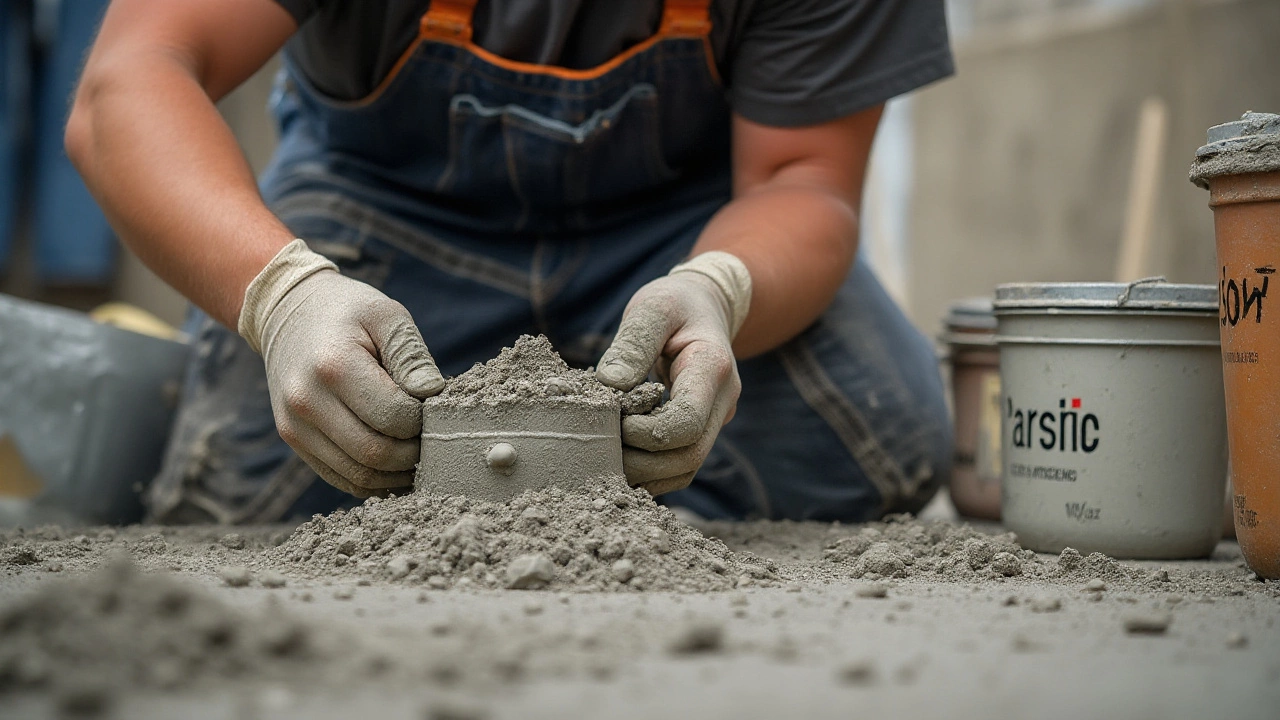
(685, 322)
(346, 367)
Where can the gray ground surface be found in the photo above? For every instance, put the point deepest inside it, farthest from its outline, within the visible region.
(808, 645)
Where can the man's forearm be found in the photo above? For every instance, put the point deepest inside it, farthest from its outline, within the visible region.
(798, 241)
(174, 184)
(163, 165)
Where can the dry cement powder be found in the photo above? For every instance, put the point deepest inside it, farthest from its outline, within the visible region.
(902, 547)
(531, 371)
(118, 627)
(602, 535)
(605, 536)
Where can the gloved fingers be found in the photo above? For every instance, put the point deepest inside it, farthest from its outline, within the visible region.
(331, 476)
(363, 444)
(643, 467)
(403, 352)
(703, 374)
(362, 385)
(309, 439)
(646, 326)
(671, 484)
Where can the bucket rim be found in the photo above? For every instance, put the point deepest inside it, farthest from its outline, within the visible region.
(972, 314)
(1147, 294)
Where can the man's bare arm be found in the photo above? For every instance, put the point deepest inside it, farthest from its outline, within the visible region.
(793, 221)
(156, 154)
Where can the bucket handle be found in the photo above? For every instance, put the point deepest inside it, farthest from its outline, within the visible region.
(1123, 298)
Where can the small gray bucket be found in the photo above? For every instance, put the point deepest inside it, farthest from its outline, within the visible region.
(974, 365)
(1114, 422)
(88, 407)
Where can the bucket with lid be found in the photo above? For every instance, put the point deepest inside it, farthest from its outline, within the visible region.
(1113, 427)
(1240, 166)
(969, 338)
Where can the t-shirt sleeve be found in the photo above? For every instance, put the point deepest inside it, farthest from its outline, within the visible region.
(301, 10)
(804, 62)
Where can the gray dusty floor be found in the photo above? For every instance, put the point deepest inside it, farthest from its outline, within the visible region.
(806, 649)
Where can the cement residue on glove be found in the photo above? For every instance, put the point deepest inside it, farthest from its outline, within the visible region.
(605, 536)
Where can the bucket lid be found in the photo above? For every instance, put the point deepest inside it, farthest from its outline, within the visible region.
(975, 314)
(1248, 145)
(1146, 294)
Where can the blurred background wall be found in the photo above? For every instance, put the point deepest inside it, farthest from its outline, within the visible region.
(1028, 165)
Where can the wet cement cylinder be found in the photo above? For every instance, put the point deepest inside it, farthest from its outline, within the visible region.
(974, 362)
(1113, 427)
(1240, 166)
(495, 451)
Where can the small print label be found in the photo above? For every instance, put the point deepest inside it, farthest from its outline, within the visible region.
(1042, 472)
(1083, 512)
(1244, 516)
(1237, 356)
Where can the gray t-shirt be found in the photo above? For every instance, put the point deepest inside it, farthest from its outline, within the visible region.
(785, 62)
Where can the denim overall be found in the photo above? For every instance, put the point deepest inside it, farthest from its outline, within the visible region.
(494, 198)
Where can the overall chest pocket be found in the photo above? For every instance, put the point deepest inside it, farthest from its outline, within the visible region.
(532, 162)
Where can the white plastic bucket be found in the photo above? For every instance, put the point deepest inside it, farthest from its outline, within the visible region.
(1113, 424)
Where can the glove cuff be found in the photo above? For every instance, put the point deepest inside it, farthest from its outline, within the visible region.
(730, 275)
(294, 263)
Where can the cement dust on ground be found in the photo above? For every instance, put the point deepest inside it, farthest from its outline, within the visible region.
(942, 620)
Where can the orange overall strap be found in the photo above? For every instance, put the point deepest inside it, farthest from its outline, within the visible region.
(451, 19)
(448, 20)
(686, 17)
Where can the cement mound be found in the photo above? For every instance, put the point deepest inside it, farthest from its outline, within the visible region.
(604, 537)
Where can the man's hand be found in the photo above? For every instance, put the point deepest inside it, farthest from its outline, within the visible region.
(684, 322)
(346, 367)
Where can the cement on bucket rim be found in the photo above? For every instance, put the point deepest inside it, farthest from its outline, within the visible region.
(1146, 294)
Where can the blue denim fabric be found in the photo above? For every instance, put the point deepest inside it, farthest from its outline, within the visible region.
(72, 241)
(493, 203)
(15, 94)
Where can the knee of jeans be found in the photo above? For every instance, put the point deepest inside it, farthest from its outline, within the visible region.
(926, 457)
(907, 414)
(926, 460)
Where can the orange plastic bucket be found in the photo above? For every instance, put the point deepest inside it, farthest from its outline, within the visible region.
(1240, 166)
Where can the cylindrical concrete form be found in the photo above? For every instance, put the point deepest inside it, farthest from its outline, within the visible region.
(496, 451)
(1114, 435)
(974, 362)
(1240, 166)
